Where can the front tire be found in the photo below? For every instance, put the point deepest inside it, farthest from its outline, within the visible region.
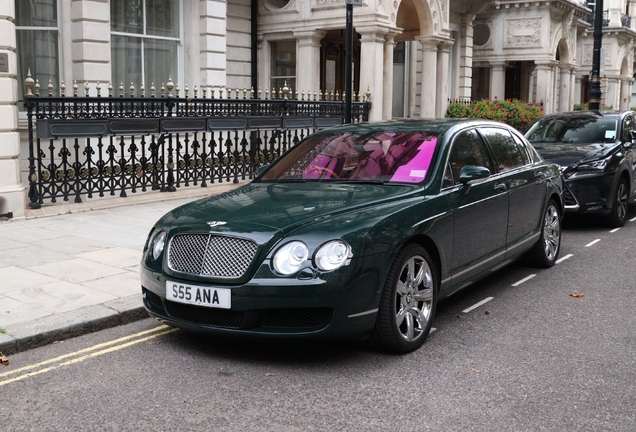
(546, 250)
(618, 214)
(408, 302)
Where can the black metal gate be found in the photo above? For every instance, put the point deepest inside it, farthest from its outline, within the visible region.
(85, 146)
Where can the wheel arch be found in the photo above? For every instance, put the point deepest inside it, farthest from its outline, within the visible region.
(431, 247)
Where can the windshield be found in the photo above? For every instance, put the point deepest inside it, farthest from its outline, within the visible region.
(579, 130)
(379, 156)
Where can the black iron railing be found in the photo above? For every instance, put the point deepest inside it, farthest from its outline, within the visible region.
(80, 147)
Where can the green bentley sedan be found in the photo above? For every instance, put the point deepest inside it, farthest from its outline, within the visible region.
(356, 232)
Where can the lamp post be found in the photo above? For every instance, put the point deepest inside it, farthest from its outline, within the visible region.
(349, 58)
(595, 86)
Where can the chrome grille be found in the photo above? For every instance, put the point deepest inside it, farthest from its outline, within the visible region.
(210, 255)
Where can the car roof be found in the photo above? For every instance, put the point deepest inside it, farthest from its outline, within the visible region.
(430, 125)
(589, 113)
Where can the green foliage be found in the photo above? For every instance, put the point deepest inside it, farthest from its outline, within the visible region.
(515, 113)
(581, 107)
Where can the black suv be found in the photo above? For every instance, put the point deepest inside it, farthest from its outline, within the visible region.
(594, 151)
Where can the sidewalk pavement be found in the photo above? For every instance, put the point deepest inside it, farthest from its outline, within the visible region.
(70, 269)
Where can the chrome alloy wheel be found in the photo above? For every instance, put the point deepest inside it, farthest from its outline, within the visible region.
(414, 298)
(551, 232)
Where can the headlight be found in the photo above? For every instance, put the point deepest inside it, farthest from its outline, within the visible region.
(289, 258)
(332, 255)
(596, 165)
(157, 244)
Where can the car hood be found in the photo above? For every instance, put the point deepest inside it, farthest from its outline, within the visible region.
(569, 154)
(262, 209)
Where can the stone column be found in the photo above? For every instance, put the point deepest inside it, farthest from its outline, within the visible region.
(428, 88)
(626, 96)
(371, 67)
(564, 89)
(443, 66)
(387, 77)
(544, 84)
(413, 52)
(466, 52)
(578, 97)
(213, 29)
(90, 41)
(613, 93)
(572, 87)
(497, 80)
(308, 57)
(12, 193)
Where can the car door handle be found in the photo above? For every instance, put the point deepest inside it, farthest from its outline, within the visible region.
(539, 174)
(500, 187)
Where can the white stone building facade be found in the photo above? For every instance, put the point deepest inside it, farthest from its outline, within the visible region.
(411, 56)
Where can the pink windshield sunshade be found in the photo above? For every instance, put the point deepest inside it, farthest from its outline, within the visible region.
(415, 170)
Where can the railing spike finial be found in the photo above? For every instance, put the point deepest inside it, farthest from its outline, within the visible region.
(162, 89)
(245, 93)
(169, 86)
(297, 94)
(29, 82)
(252, 93)
(177, 91)
(196, 90)
(75, 88)
(99, 89)
(266, 93)
(132, 89)
(368, 94)
(285, 90)
(204, 91)
(187, 90)
(152, 89)
(142, 90)
(87, 89)
(110, 89)
(237, 93)
(303, 95)
(62, 89)
(121, 89)
(50, 87)
(212, 92)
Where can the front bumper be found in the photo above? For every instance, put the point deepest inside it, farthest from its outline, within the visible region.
(589, 193)
(292, 308)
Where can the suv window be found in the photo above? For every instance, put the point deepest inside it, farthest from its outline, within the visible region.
(468, 149)
(628, 126)
(508, 153)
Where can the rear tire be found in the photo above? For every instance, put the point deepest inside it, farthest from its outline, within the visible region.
(618, 214)
(545, 251)
(408, 302)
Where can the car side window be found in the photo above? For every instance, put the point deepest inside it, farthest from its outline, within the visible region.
(468, 149)
(508, 153)
(628, 126)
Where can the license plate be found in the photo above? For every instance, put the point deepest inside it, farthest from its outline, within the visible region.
(198, 295)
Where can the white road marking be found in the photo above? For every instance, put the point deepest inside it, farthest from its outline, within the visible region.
(476, 305)
(560, 260)
(632, 219)
(525, 279)
(614, 230)
(593, 243)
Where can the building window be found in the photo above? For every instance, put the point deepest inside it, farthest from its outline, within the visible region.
(38, 42)
(283, 63)
(145, 42)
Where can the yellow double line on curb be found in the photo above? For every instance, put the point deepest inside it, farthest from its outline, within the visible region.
(163, 331)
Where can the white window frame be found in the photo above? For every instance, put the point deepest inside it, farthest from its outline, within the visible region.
(60, 57)
(142, 37)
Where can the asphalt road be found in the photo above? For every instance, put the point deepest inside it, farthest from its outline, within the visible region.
(531, 357)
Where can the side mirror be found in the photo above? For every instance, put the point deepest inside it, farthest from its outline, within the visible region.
(471, 173)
